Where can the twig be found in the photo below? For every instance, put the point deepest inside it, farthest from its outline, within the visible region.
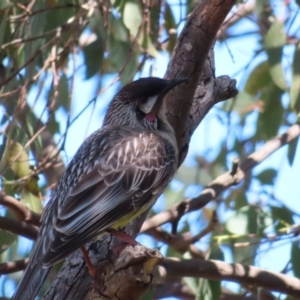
(19, 228)
(224, 181)
(183, 242)
(13, 266)
(243, 10)
(21, 212)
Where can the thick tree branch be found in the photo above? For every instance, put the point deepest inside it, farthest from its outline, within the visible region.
(129, 274)
(224, 181)
(218, 270)
(20, 211)
(19, 228)
(189, 60)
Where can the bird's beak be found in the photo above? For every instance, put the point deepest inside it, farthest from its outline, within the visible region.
(169, 86)
(173, 82)
(153, 104)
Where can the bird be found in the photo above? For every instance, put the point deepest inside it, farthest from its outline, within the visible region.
(117, 173)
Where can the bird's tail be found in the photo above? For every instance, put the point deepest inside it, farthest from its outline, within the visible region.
(34, 274)
(32, 281)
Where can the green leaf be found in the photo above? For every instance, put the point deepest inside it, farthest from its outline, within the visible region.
(58, 17)
(17, 159)
(118, 30)
(295, 258)
(32, 201)
(216, 253)
(117, 54)
(282, 217)
(132, 17)
(274, 41)
(93, 56)
(270, 119)
(292, 148)
(295, 87)
(148, 295)
(260, 7)
(5, 4)
(192, 283)
(240, 199)
(215, 287)
(131, 67)
(31, 126)
(245, 249)
(238, 222)
(149, 47)
(53, 125)
(240, 103)
(63, 92)
(3, 26)
(6, 239)
(258, 79)
(267, 176)
(205, 292)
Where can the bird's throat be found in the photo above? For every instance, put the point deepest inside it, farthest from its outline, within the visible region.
(150, 117)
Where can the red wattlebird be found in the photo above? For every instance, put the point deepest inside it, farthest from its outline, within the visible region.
(117, 173)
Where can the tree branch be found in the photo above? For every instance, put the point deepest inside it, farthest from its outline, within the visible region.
(218, 270)
(21, 212)
(183, 242)
(13, 266)
(19, 228)
(224, 181)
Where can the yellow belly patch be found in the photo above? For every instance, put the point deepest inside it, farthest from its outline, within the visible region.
(126, 219)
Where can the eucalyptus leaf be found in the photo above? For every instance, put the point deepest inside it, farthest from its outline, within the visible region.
(93, 56)
(258, 79)
(16, 158)
(132, 17)
(267, 176)
(292, 150)
(6, 239)
(295, 87)
(282, 217)
(271, 117)
(295, 258)
(241, 103)
(33, 202)
(3, 25)
(63, 98)
(275, 40)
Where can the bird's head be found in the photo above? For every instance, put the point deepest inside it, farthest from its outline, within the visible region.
(140, 103)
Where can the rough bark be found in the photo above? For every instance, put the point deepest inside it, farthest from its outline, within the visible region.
(186, 110)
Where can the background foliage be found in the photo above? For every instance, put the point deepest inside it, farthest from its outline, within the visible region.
(51, 49)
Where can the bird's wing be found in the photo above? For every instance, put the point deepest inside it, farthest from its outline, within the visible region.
(128, 174)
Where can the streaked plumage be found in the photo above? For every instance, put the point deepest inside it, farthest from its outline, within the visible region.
(115, 175)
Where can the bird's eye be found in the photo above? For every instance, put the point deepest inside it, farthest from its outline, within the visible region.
(140, 114)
